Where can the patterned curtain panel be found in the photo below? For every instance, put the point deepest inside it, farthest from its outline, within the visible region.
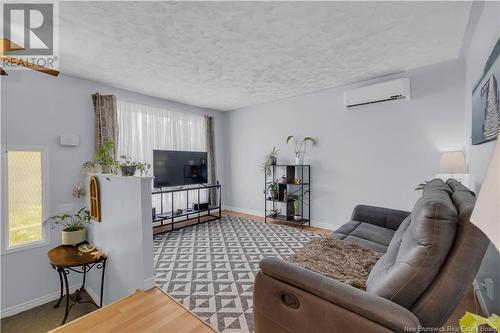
(210, 143)
(106, 121)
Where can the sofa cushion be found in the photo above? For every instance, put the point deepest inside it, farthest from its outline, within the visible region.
(419, 248)
(368, 235)
(437, 185)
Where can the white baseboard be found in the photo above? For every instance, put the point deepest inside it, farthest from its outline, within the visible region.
(316, 224)
(149, 283)
(480, 297)
(33, 303)
(96, 298)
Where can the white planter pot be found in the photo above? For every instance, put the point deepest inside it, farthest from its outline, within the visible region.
(299, 160)
(73, 237)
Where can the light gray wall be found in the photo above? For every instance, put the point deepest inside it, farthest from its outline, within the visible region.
(375, 154)
(484, 37)
(36, 109)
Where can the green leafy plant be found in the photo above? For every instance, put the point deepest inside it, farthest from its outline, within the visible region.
(126, 161)
(306, 139)
(271, 159)
(70, 222)
(272, 187)
(143, 168)
(297, 198)
(104, 154)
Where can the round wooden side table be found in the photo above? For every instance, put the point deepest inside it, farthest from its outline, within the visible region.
(66, 258)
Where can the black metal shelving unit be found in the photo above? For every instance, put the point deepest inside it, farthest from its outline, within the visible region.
(294, 183)
(171, 217)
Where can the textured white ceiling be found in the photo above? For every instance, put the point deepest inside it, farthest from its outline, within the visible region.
(226, 55)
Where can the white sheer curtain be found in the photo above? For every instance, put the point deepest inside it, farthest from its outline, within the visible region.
(143, 128)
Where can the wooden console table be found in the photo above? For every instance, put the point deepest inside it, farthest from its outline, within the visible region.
(66, 258)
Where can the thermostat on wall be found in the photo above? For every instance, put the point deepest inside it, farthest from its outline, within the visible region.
(69, 140)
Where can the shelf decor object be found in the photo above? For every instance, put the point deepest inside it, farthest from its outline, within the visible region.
(293, 201)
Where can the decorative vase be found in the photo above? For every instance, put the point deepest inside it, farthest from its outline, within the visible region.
(128, 170)
(273, 160)
(297, 217)
(299, 159)
(105, 168)
(73, 237)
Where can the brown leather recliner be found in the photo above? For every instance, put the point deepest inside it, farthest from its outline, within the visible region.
(431, 256)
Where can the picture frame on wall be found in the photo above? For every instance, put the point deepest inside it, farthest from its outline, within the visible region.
(486, 101)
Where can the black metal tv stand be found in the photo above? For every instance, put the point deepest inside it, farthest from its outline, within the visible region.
(188, 214)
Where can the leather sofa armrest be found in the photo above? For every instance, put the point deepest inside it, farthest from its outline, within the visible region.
(373, 307)
(384, 217)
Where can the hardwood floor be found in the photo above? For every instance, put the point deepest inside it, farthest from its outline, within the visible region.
(143, 311)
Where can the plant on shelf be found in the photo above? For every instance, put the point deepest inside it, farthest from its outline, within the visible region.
(296, 199)
(143, 168)
(129, 167)
(104, 156)
(73, 226)
(271, 159)
(300, 147)
(273, 190)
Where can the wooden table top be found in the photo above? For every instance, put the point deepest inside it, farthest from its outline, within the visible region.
(69, 256)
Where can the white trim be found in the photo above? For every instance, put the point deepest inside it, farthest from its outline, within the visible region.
(33, 303)
(316, 224)
(93, 295)
(44, 150)
(480, 298)
(149, 283)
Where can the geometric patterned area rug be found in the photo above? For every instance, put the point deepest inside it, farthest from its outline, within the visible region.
(210, 268)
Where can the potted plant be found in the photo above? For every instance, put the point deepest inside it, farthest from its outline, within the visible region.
(273, 190)
(143, 168)
(296, 201)
(300, 147)
(129, 167)
(74, 230)
(104, 156)
(271, 159)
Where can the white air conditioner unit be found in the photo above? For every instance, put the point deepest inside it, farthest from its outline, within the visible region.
(389, 91)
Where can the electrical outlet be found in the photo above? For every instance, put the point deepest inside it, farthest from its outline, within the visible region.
(489, 287)
(65, 208)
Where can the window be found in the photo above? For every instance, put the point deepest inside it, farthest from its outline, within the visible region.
(143, 128)
(25, 197)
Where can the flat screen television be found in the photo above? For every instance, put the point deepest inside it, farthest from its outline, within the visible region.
(176, 168)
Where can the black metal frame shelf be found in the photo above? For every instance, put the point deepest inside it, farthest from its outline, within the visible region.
(173, 218)
(303, 173)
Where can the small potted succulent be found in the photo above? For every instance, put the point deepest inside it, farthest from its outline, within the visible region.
(273, 190)
(104, 156)
(271, 159)
(74, 226)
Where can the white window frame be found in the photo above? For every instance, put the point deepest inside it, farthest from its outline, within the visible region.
(5, 248)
